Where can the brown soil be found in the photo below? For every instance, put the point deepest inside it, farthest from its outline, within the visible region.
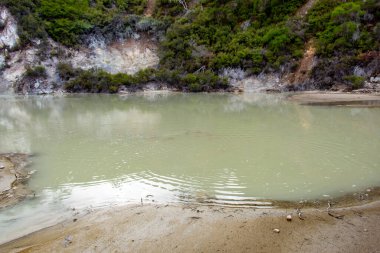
(13, 176)
(307, 61)
(155, 228)
(306, 65)
(305, 8)
(142, 44)
(150, 6)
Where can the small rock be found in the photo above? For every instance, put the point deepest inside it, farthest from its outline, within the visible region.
(289, 217)
(32, 172)
(68, 240)
(365, 230)
(2, 166)
(276, 230)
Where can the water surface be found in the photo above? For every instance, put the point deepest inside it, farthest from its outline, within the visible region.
(99, 150)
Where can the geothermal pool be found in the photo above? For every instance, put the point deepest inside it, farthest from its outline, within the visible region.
(94, 151)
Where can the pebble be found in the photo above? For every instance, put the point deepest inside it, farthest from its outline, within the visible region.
(276, 230)
(68, 240)
(365, 230)
(289, 217)
(2, 166)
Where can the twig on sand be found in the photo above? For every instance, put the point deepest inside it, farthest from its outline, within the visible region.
(336, 216)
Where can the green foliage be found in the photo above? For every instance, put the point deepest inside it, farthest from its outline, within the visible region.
(168, 10)
(36, 72)
(357, 82)
(66, 20)
(248, 34)
(99, 81)
(344, 27)
(66, 71)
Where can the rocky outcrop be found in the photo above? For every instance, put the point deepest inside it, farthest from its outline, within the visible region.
(8, 41)
(262, 83)
(8, 26)
(115, 55)
(126, 56)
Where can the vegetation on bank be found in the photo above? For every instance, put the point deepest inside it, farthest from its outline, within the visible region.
(198, 44)
(66, 21)
(99, 81)
(252, 35)
(347, 35)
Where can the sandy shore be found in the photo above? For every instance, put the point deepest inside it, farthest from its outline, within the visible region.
(337, 99)
(158, 228)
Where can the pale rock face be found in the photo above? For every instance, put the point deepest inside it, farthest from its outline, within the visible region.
(8, 35)
(259, 83)
(17, 62)
(125, 57)
(2, 61)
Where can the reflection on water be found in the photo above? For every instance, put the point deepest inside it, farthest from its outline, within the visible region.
(99, 150)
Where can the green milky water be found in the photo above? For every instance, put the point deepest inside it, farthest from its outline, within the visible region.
(99, 150)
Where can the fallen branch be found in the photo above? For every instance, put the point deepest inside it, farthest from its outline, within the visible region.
(336, 216)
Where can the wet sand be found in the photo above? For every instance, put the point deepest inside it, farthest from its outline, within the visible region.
(13, 176)
(176, 228)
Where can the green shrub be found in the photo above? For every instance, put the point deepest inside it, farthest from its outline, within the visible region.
(36, 72)
(66, 71)
(99, 81)
(357, 82)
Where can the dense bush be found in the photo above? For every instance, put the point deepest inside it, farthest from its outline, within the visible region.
(348, 27)
(99, 81)
(252, 35)
(347, 36)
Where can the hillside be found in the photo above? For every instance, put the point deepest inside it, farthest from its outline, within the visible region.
(198, 45)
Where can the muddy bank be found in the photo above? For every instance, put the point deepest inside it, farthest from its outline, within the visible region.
(336, 99)
(158, 228)
(13, 177)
